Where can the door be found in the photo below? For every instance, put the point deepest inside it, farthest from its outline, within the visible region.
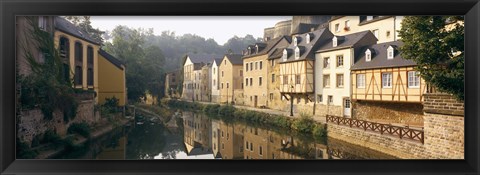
(346, 107)
(255, 101)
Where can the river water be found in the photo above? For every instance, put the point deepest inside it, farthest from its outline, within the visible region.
(196, 136)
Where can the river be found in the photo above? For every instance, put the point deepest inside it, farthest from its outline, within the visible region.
(196, 136)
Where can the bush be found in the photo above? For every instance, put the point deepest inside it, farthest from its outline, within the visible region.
(281, 121)
(319, 131)
(226, 111)
(51, 137)
(80, 128)
(23, 151)
(304, 124)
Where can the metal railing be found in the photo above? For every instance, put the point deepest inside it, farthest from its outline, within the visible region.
(397, 131)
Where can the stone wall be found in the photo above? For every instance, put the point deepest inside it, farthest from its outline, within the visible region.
(389, 112)
(238, 97)
(391, 145)
(323, 110)
(439, 103)
(32, 122)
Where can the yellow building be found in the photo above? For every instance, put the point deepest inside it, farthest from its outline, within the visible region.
(230, 77)
(383, 27)
(381, 75)
(297, 67)
(79, 53)
(111, 79)
(258, 65)
(230, 141)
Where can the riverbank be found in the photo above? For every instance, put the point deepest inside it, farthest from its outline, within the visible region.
(48, 151)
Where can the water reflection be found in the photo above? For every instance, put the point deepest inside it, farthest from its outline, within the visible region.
(196, 136)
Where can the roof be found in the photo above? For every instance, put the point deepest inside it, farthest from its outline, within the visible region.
(268, 46)
(217, 61)
(352, 40)
(307, 50)
(111, 59)
(66, 26)
(235, 58)
(202, 58)
(379, 57)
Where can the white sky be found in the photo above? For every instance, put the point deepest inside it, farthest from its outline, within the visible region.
(220, 28)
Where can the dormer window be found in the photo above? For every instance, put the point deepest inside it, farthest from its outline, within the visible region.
(390, 52)
(256, 47)
(249, 50)
(297, 53)
(368, 55)
(307, 38)
(295, 41)
(335, 41)
(285, 55)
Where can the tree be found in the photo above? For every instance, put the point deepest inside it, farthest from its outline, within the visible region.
(436, 44)
(84, 23)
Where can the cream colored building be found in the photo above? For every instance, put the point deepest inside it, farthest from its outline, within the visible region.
(259, 71)
(192, 66)
(297, 69)
(385, 28)
(230, 76)
(333, 61)
(215, 81)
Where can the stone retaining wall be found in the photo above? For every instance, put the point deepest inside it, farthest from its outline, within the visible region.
(389, 112)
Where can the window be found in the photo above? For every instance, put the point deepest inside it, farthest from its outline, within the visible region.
(246, 81)
(246, 66)
(390, 52)
(64, 47)
(295, 41)
(337, 27)
(298, 100)
(251, 66)
(261, 63)
(250, 98)
(347, 103)
(307, 38)
(330, 99)
(246, 145)
(222, 73)
(78, 52)
(273, 78)
(222, 85)
(334, 42)
(339, 60)
(326, 62)
(285, 79)
(326, 80)
(225, 62)
(375, 32)
(259, 81)
(340, 80)
(413, 79)
(78, 75)
(214, 71)
(214, 82)
(347, 25)
(368, 55)
(285, 55)
(297, 79)
(89, 55)
(260, 150)
(369, 18)
(388, 34)
(271, 96)
(241, 72)
(360, 80)
(251, 146)
(90, 76)
(272, 63)
(42, 23)
(387, 80)
(227, 85)
(223, 146)
(319, 98)
(251, 81)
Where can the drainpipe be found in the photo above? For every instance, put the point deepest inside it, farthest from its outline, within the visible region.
(394, 28)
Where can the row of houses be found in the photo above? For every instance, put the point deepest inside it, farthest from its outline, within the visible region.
(90, 67)
(347, 66)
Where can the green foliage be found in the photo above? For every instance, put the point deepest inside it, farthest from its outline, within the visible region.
(80, 128)
(438, 52)
(110, 106)
(226, 111)
(23, 151)
(319, 131)
(46, 87)
(305, 124)
(83, 22)
(51, 137)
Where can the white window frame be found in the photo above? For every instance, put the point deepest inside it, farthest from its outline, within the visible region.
(413, 79)
(337, 27)
(361, 81)
(390, 53)
(326, 84)
(338, 60)
(326, 62)
(285, 55)
(368, 55)
(387, 78)
(297, 53)
(307, 38)
(319, 98)
(340, 83)
(335, 41)
(295, 41)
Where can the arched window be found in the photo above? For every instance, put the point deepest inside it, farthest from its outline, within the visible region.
(64, 48)
(90, 55)
(78, 52)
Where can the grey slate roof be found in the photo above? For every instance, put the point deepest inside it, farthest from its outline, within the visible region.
(358, 39)
(111, 59)
(235, 59)
(218, 60)
(268, 46)
(67, 27)
(318, 37)
(379, 57)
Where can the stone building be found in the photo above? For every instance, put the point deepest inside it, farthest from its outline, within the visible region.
(192, 66)
(206, 83)
(230, 77)
(197, 134)
(386, 87)
(258, 68)
(333, 61)
(297, 68)
(230, 141)
(383, 27)
(172, 79)
(215, 81)
(297, 25)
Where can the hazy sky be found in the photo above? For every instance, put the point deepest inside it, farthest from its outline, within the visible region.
(220, 28)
